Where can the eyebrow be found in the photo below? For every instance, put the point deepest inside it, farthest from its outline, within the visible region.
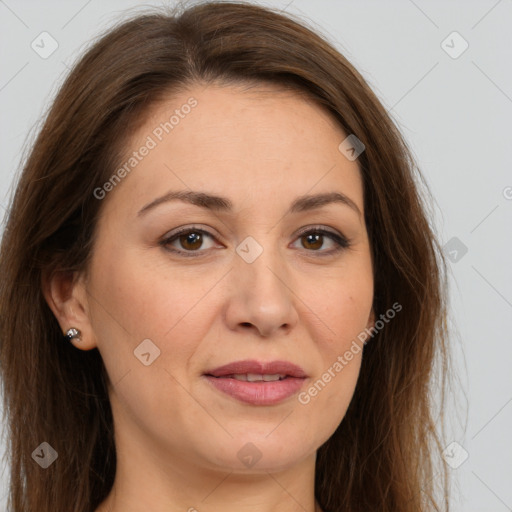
(217, 203)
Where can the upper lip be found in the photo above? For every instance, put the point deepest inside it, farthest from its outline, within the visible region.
(258, 367)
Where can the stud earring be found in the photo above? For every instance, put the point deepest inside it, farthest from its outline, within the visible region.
(73, 334)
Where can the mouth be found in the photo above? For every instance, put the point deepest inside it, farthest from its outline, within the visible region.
(257, 383)
(255, 377)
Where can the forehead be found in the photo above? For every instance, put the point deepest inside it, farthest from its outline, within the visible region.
(237, 120)
(251, 142)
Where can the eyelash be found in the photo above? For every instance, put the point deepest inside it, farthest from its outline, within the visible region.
(341, 241)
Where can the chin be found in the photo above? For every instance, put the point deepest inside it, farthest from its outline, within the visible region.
(252, 451)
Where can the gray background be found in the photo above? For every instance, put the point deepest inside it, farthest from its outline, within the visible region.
(454, 112)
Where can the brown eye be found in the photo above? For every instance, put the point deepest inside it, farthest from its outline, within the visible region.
(188, 241)
(191, 241)
(312, 241)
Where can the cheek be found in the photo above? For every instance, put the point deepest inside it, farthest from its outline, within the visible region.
(139, 304)
(344, 305)
(330, 392)
(136, 299)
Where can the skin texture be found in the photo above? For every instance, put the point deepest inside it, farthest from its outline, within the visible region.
(177, 437)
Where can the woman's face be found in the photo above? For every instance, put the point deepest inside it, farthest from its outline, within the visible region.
(257, 276)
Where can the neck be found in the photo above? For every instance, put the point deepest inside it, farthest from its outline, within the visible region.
(145, 480)
(228, 492)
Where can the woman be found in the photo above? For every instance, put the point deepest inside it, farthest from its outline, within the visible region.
(220, 289)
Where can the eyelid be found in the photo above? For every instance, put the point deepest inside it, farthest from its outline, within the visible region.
(185, 229)
(317, 228)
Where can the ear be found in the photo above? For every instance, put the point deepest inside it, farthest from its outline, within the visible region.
(66, 295)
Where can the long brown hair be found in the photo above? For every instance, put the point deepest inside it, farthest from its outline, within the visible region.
(382, 457)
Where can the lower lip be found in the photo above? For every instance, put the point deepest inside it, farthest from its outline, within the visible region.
(258, 393)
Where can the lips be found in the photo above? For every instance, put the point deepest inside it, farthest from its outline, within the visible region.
(258, 368)
(256, 382)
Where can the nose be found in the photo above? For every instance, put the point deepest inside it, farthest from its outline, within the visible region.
(262, 297)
